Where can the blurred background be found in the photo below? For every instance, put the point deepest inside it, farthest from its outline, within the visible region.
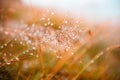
(91, 9)
(59, 40)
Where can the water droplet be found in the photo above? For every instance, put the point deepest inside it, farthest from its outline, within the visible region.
(29, 41)
(34, 48)
(45, 24)
(6, 32)
(42, 18)
(12, 60)
(59, 57)
(31, 54)
(8, 63)
(21, 42)
(15, 39)
(1, 47)
(21, 34)
(52, 13)
(24, 52)
(72, 53)
(17, 58)
(5, 44)
(102, 53)
(65, 21)
(33, 25)
(92, 61)
(27, 51)
(80, 61)
(37, 56)
(11, 45)
(48, 19)
(51, 24)
(29, 34)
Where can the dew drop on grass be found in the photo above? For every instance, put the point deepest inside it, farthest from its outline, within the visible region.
(52, 13)
(65, 21)
(21, 42)
(15, 39)
(31, 54)
(11, 45)
(80, 61)
(6, 33)
(27, 51)
(1, 47)
(42, 18)
(17, 58)
(24, 52)
(51, 24)
(48, 19)
(34, 48)
(33, 25)
(8, 63)
(37, 56)
(5, 44)
(72, 53)
(59, 57)
(92, 61)
(29, 42)
(45, 24)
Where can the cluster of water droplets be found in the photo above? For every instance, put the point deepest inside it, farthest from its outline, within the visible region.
(60, 41)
